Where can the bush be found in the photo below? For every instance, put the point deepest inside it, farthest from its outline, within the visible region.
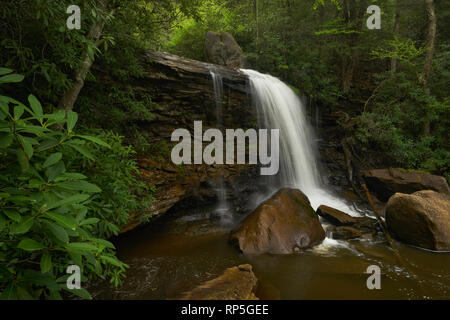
(117, 174)
(49, 213)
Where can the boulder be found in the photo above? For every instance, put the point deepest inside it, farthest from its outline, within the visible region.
(421, 219)
(346, 227)
(283, 224)
(222, 49)
(385, 182)
(236, 283)
(335, 216)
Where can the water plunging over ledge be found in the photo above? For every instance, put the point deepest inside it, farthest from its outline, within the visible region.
(280, 108)
(222, 210)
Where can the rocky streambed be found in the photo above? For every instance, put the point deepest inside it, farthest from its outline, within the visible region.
(286, 250)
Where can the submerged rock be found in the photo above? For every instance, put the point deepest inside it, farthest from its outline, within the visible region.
(346, 233)
(222, 49)
(283, 224)
(236, 283)
(385, 182)
(421, 219)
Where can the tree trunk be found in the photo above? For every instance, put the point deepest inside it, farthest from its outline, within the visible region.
(70, 96)
(352, 13)
(257, 22)
(426, 71)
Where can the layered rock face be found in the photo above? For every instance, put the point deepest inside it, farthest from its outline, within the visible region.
(182, 92)
(283, 224)
(421, 219)
(221, 48)
(385, 182)
(236, 283)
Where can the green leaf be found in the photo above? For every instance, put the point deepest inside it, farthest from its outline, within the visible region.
(82, 293)
(23, 226)
(2, 222)
(103, 242)
(36, 107)
(26, 145)
(39, 278)
(95, 140)
(83, 151)
(70, 176)
(11, 78)
(79, 185)
(18, 112)
(13, 215)
(81, 246)
(77, 198)
(52, 159)
(24, 294)
(54, 295)
(64, 221)
(72, 118)
(30, 245)
(57, 231)
(57, 116)
(47, 144)
(6, 140)
(46, 262)
(23, 160)
(4, 71)
(33, 129)
(55, 171)
(10, 292)
(89, 221)
(112, 260)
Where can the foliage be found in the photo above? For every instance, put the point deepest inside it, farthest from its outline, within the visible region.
(316, 45)
(117, 174)
(49, 213)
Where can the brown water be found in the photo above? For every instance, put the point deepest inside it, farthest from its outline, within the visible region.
(171, 257)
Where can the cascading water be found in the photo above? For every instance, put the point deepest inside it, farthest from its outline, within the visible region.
(280, 108)
(222, 209)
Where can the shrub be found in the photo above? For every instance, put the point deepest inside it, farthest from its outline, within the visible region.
(117, 174)
(49, 214)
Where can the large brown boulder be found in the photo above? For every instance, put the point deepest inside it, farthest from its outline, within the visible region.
(385, 182)
(421, 219)
(236, 283)
(283, 224)
(222, 49)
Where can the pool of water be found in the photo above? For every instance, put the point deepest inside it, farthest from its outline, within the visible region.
(173, 256)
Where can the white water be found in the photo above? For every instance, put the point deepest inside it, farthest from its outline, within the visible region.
(223, 208)
(280, 108)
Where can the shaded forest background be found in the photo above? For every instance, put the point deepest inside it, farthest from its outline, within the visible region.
(78, 136)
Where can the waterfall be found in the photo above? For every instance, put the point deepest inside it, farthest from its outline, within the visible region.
(222, 210)
(278, 107)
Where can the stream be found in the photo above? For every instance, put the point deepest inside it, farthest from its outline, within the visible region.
(175, 255)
